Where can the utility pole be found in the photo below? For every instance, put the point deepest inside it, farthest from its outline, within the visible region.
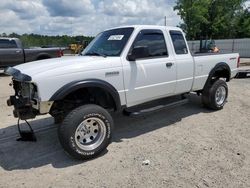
(165, 20)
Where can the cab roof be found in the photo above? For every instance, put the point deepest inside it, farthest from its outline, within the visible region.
(149, 27)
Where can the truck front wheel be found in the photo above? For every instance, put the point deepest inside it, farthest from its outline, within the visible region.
(215, 95)
(86, 131)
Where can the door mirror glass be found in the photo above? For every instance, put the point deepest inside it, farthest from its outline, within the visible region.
(138, 53)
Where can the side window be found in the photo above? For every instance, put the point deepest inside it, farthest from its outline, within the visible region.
(5, 43)
(179, 43)
(152, 39)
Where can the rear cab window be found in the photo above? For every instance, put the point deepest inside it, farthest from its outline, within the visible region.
(179, 42)
(154, 40)
(6, 43)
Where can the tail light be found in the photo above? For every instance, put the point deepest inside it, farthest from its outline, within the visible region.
(60, 53)
(238, 62)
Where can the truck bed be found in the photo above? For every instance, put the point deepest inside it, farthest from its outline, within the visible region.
(196, 54)
(205, 62)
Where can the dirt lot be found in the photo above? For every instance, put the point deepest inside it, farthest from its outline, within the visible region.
(187, 146)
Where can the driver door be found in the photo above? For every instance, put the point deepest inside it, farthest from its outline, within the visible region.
(153, 76)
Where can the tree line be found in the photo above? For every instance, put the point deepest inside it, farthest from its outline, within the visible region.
(36, 40)
(216, 19)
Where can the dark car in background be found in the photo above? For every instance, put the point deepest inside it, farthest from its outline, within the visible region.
(12, 53)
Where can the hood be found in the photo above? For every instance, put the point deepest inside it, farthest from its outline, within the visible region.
(64, 65)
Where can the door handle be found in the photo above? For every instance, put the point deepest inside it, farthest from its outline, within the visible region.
(169, 65)
(18, 51)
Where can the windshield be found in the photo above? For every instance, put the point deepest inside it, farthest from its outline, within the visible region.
(109, 43)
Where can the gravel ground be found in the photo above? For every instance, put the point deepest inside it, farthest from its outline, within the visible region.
(187, 146)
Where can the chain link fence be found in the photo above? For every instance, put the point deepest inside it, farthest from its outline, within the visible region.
(241, 46)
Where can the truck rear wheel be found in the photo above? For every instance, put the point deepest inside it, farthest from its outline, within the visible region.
(215, 95)
(86, 131)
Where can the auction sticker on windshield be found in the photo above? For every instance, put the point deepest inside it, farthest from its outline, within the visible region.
(116, 37)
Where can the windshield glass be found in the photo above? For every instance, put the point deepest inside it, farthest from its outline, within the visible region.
(109, 43)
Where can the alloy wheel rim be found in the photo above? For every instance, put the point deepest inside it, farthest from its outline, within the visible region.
(90, 133)
(220, 95)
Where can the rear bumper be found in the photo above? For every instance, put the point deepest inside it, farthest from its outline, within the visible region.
(22, 108)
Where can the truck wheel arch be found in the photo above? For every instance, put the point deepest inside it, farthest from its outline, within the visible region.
(222, 68)
(91, 83)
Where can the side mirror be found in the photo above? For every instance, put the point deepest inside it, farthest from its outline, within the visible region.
(138, 52)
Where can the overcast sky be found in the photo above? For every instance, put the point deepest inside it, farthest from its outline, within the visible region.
(81, 17)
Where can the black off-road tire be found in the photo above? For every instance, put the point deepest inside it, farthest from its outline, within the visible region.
(209, 95)
(75, 124)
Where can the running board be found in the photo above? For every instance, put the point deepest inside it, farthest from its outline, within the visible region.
(155, 108)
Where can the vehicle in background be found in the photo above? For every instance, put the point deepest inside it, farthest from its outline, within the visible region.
(12, 53)
(132, 69)
(77, 47)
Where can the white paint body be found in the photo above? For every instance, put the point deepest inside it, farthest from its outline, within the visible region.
(137, 82)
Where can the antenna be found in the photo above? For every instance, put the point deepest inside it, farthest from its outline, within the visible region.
(165, 20)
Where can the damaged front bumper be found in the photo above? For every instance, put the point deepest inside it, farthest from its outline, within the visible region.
(25, 108)
(22, 108)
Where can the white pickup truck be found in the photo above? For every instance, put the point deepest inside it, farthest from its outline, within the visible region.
(123, 69)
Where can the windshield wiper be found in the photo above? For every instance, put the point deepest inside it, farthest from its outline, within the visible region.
(96, 54)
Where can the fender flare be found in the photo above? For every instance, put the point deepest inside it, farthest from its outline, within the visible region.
(75, 85)
(218, 66)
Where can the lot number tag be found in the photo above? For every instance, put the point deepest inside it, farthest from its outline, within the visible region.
(116, 37)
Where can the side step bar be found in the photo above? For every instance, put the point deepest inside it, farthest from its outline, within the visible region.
(155, 108)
